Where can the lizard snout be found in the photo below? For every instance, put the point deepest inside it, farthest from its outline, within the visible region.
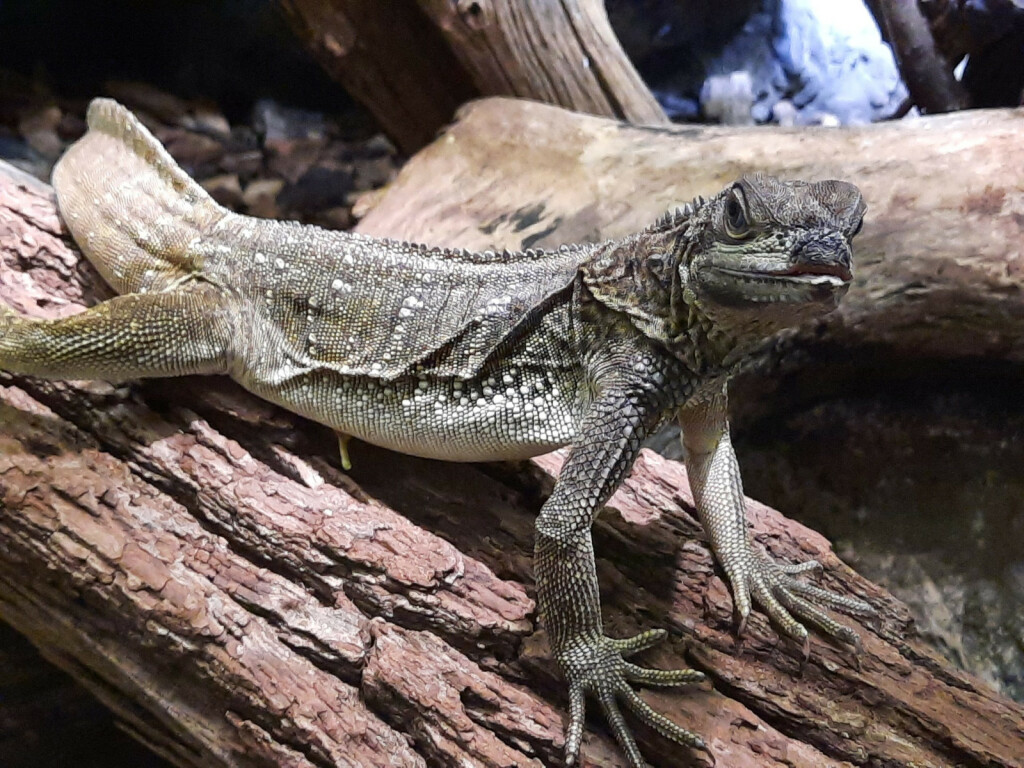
(823, 254)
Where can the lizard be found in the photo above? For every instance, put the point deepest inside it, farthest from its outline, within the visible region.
(474, 356)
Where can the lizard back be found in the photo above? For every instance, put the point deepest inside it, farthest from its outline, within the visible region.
(386, 309)
(357, 305)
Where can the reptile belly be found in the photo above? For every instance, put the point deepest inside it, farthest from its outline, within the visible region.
(511, 414)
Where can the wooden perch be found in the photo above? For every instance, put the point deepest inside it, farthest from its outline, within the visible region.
(411, 63)
(194, 557)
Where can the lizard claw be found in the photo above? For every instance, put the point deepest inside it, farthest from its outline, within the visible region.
(595, 664)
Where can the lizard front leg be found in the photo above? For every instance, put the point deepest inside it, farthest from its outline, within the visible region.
(718, 491)
(607, 444)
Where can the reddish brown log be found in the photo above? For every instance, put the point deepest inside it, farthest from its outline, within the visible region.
(192, 555)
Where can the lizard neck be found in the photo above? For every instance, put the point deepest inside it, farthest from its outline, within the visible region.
(645, 278)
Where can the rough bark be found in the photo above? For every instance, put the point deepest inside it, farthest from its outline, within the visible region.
(193, 557)
(412, 62)
(925, 66)
(989, 33)
(939, 269)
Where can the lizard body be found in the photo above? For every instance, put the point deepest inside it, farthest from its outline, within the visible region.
(470, 356)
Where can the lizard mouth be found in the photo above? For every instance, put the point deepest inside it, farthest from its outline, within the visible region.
(837, 270)
(824, 283)
(814, 274)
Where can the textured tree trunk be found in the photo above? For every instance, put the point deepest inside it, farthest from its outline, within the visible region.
(562, 53)
(413, 62)
(193, 556)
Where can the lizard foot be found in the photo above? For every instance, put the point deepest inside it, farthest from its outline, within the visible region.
(596, 664)
(789, 601)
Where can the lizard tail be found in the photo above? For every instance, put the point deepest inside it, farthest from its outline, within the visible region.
(134, 212)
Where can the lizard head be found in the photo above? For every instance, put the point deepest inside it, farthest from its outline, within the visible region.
(765, 241)
(760, 256)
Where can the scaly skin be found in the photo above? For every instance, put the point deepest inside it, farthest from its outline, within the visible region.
(471, 356)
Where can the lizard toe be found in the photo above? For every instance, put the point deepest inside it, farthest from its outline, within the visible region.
(793, 569)
(574, 731)
(817, 618)
(621, 730)
(820, 596)
(768, 598)
(791, 603)
(641, 642)
(662, 724)
(661, 678)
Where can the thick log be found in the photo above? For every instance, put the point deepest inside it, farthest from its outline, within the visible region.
(413, 62)
(193, 556)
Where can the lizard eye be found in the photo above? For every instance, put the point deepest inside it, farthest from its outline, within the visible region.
(735, 218)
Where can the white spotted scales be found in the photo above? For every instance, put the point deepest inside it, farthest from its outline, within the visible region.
(471, 356)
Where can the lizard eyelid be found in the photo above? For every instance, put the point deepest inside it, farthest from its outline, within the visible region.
(736, 224)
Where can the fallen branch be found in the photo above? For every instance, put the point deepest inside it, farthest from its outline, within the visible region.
(411, 63)
(926, 71)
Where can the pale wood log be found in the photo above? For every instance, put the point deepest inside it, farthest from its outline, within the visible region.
(413, 62)
(172, 545)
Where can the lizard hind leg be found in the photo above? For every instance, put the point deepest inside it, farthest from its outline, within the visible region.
(135, 214)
